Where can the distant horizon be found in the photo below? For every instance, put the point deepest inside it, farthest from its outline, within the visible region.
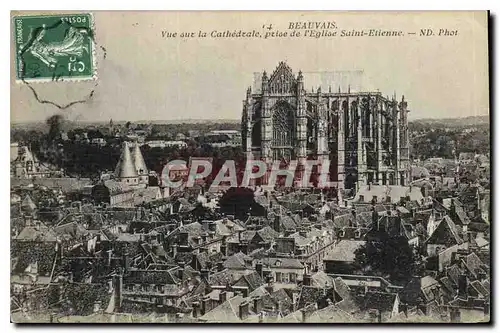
(211, 120)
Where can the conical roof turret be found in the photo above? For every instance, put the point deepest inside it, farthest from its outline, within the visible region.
(125, 167)
(28, 205)
(138, 159)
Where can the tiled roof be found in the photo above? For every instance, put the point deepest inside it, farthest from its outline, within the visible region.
(481, 290)
(226, 312)
(37, 233)
(282, 262)
(267, 234)
(382, 192)
(253, 280)
(445, 233)
(474, 263)
(237, 261)
(377, 300)
(222, 278)
(344, 250)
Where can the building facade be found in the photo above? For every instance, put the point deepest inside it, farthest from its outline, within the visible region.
(364, 135)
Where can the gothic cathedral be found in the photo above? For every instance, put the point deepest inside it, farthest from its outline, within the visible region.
(364, 135)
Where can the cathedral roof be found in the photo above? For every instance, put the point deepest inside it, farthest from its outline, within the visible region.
(125, 167)
(138, 160)
(282, 69)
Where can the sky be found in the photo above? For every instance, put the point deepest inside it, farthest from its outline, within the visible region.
(144, 76)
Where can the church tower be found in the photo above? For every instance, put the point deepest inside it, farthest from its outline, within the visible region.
(125, 171)
(140, 165)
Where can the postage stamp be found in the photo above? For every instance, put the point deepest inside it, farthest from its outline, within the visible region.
(54, 47)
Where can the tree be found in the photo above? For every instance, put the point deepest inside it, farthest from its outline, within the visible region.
(390, 257)
(237, 201)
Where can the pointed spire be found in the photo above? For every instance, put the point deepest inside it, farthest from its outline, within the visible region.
(339, 88)
(349, 89)
(138, 159)
(28, 205)
(330, 89)
(125, 167)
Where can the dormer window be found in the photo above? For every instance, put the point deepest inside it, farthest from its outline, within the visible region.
(278, 263)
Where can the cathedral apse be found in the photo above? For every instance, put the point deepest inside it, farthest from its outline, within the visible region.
(362, 134)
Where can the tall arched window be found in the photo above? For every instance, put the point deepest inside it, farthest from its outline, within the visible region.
(283, 125)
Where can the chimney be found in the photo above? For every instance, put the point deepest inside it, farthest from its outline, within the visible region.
(205, 273)
(462, 285)
(196, 309)
(223, 296)
(306, 311)
(223, 249)
(205, 305)
(403, 307)
(258, 304)
(270, 284)
(97, 307)
(180, 271)
(259, 269)
(118, 289)
(126, 261)
(205, 224)
(110, 254)
(220, 266)
(244, 292)
(454, 315)
(178, 316)
(306, 279)
(212, 226)
(486, 309)
(277, 223)
(244, 308)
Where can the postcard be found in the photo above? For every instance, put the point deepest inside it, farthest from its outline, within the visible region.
(250, 167)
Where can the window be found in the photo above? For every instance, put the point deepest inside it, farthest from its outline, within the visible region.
(278, 277)
(293, 277)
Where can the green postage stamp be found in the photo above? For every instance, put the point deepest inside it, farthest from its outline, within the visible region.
(54, 47)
